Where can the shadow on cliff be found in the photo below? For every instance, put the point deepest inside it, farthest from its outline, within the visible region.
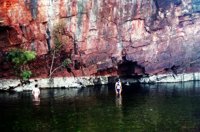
(130, 70)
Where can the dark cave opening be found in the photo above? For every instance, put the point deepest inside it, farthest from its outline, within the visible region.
(130, 69)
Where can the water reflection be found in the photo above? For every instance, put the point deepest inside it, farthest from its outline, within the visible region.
(118, 100)
(36, 100)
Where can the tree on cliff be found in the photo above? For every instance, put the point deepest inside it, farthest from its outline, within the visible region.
(20, 58)
(58, 58)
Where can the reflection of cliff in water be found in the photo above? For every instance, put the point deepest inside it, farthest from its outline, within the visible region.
(57, 94)
(171, 89)
(74, 92)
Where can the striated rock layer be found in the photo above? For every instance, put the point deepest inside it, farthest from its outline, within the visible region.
(114, 37)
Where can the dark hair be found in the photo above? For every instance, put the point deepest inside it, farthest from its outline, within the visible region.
(117, 79)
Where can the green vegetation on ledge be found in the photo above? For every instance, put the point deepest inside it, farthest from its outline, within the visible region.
(20, 58)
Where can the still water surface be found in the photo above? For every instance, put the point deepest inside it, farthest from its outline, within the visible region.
(170, 107)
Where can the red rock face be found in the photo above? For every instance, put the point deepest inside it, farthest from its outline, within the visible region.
(108, 36)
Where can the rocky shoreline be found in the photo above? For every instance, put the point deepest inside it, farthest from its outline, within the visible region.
(78, 82)
(57, 82)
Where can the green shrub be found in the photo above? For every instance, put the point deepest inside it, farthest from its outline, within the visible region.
(19, 58)
(26, 74)
(66, 63)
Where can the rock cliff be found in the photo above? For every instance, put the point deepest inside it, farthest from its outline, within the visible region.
(124, 37)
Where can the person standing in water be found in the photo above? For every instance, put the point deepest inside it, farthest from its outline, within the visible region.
(118, 87)
(36, 92)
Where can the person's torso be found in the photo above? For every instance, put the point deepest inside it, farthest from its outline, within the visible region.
(118, 85)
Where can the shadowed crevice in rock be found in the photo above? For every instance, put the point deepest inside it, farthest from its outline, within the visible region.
(165, 4)
(8, 37)
(130, 69)
(32, 5)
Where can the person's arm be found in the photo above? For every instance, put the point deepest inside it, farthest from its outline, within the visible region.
(121, 86)
(32, 91)
(116, 87)
(38, 90)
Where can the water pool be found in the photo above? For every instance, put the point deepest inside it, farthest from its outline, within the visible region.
(141, 108)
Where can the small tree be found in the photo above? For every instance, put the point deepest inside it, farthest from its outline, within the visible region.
(59, 44)
(20, 58)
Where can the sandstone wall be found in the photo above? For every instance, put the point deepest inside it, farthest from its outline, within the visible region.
(142, 37)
